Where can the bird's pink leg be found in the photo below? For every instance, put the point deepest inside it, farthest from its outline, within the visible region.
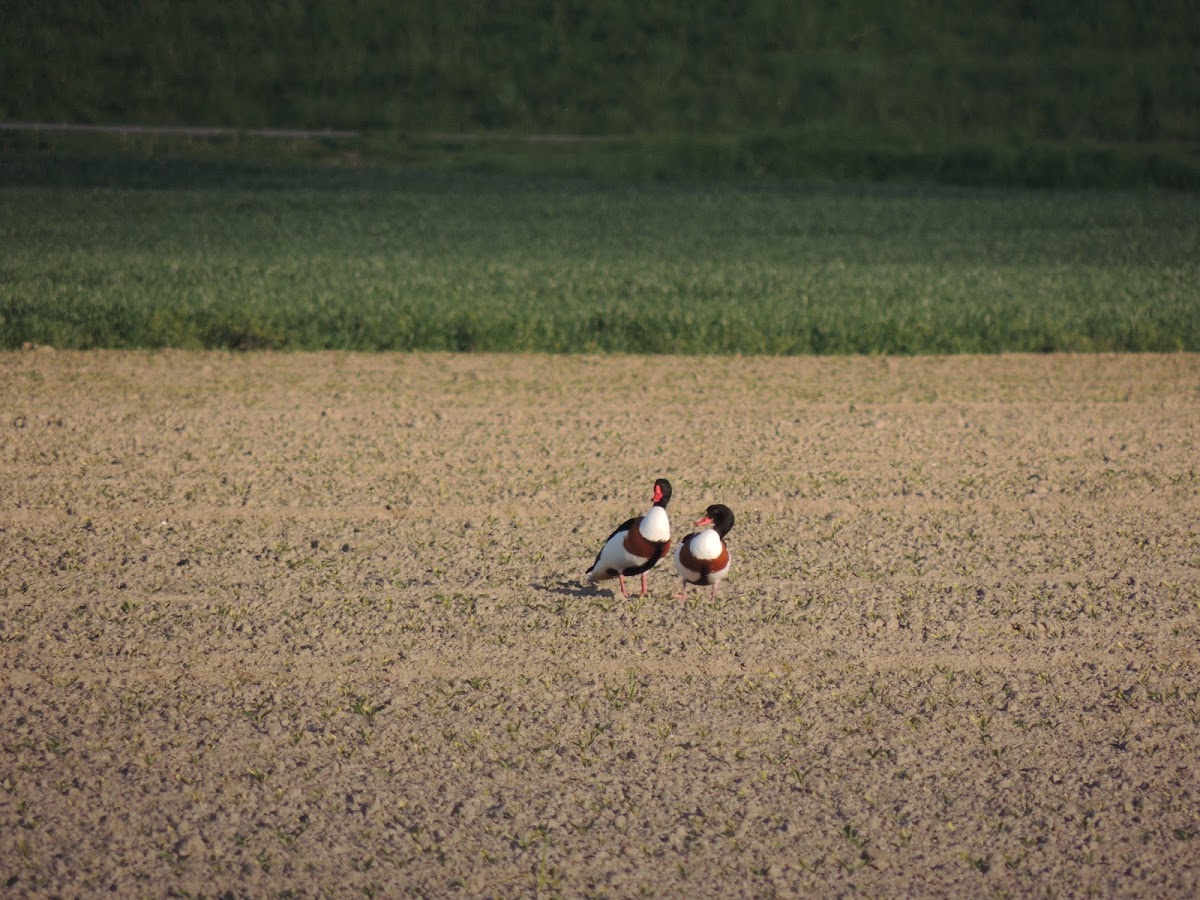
(644, 584)
(682, 595)
(621, 582)
(713, 595)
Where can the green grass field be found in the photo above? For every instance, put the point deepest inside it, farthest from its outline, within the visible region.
(300, 256)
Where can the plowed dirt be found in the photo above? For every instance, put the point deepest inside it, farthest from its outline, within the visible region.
(313, 624)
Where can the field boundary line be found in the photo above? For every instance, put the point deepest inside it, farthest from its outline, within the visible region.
(303, 133)
(181, 130)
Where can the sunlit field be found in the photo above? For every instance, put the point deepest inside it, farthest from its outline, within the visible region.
(290, 624)
(235, 255)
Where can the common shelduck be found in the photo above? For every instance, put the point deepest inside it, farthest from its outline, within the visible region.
(702, 557)
(637, 544)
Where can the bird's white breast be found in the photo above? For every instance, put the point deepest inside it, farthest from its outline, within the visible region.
(655, 525)
(706, 545)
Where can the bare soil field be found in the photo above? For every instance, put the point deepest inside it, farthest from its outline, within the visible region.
(303, 625)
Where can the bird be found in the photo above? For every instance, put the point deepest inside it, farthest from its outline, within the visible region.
(637, 544)
(702, 557)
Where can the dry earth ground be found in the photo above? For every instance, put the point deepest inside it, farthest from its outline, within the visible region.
(311, 624)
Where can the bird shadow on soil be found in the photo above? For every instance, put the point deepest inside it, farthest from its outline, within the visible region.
(566, 588)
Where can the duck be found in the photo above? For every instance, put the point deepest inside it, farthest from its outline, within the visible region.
(702, 557)
(637, 544)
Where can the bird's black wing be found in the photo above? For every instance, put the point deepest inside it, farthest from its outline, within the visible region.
(627, 525)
